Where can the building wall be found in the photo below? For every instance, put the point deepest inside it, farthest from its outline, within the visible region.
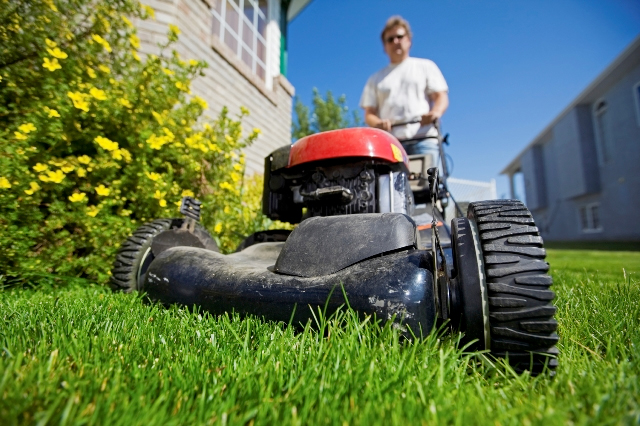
(575, 175)
(228, 81)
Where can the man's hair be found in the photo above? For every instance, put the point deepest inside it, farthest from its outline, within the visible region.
(395, 21)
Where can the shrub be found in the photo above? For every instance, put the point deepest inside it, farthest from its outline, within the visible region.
(96, 140)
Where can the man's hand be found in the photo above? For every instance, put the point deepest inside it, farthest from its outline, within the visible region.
(430, 117)
(372, 119)
(384, 125)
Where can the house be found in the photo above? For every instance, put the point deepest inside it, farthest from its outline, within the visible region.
(245, 44)
(582, 172)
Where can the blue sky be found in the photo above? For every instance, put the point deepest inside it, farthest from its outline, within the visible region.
(512, 66)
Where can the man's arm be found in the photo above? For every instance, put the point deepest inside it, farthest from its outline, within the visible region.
(372, 119)
(440, 102)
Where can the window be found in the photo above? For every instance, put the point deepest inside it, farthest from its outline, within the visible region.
(242, 26)
(636, 98)
(590, 218)
(603, 136)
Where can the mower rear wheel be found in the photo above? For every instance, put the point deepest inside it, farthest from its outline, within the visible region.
(521, 315)
(135, 255)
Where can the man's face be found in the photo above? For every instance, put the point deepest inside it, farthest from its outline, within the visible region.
(397, 44)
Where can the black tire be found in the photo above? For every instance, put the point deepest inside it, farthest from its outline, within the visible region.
(521, 315)
(135, 255)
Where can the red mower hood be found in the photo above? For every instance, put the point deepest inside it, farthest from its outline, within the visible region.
(354, 142)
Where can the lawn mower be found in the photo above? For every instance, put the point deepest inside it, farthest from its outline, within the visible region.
(372, 234)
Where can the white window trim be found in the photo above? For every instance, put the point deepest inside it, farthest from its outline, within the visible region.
(588, 208)
(600, 144)
(636, 98)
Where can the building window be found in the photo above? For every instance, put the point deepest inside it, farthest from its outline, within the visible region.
(242, 26)
(590, 218)
(603, 136)
(636, 98)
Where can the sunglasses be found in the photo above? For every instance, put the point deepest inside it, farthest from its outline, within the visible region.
(391, 39)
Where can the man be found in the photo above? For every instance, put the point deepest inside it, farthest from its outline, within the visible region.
(408, 89)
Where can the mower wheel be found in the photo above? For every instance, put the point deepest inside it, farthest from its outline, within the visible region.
(521, 323)
(135, 255)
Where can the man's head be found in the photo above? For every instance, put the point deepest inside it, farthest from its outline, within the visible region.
(396, 39)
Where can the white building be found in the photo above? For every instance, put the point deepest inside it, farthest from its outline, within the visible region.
(244, 43)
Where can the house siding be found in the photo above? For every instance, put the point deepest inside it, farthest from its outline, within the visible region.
(575, 176)
(228, 82)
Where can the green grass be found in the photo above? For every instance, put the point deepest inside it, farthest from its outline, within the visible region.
(79, 354)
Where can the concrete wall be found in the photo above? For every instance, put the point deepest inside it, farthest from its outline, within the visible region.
(228, 81)
(567, 169)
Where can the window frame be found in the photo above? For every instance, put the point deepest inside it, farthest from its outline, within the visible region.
(225, 30)
(636, 99)
(602, 146)
(588, 210)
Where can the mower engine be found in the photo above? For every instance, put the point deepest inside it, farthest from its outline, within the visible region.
(327, 182)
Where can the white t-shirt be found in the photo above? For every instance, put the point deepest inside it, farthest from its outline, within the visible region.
(400, 93)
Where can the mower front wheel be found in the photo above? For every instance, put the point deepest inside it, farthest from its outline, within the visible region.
(504, 285)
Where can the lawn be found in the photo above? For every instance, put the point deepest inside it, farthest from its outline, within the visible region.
(74, 353)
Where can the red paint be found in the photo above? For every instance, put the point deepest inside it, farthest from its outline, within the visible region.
(354, 142)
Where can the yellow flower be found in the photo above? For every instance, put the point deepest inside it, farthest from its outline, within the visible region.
(257, 131)
(153, 176)
(51, 5)
(34, 187)
(79, 100)
(81, 172)
(169, 134)
(102, 190)
(91, 72)
(163, 202)
(135, 55)
(92, 211)
(57, 53)
(40, 167)
(125, 102)
(20, 136)
(67, 169)
(135, 41)
(4, 183)
(123, 153)
(174, 29)
(167, 71)
(104, 43)
(105, 69)
(193, 62)
(26, 128)
(50, 43)
(198, 100)
(149, 11)
(55, 177)
(158, 117)
(125, 212)
(106, 144)
(184, 87)
(127, 21)
(188, 193)
(226, 185)
(51, 65)
(218, 228)
(84, 159)
(77, 197)
(237, 167)
(158, 195)
(244, 110)
(52, 112)
(98, 94)
(235, 177)
(156, 142)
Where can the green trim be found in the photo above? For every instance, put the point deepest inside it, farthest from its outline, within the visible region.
(284, 54)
